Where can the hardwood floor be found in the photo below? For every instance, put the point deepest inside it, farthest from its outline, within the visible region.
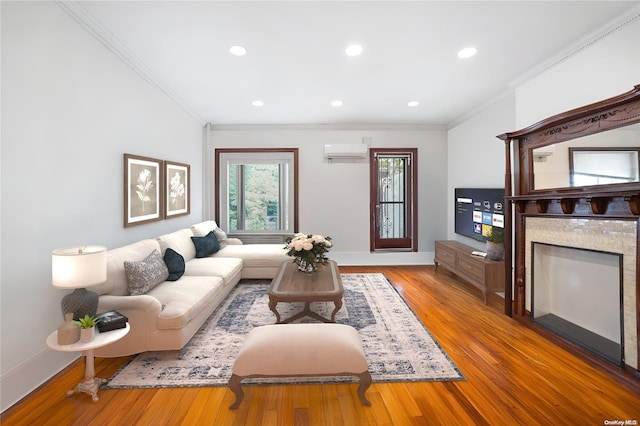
(513, 376)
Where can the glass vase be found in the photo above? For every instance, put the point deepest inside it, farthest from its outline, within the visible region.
(306, 266)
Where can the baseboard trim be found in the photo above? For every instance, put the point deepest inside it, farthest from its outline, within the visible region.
(381, 258)
(19, 382)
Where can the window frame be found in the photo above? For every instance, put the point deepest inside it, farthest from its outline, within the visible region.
(574, 171)
(221, 168)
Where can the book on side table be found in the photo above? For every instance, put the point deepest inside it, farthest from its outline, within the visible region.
(111, 320)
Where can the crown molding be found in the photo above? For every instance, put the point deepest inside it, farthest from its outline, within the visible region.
(586, 42)
(477, 110)
(363, 126)
(589, 40)
(84, 18)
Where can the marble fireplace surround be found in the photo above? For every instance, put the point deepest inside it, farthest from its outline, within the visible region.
(615, 236)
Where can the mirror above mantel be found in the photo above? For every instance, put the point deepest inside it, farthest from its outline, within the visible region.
(604, 134)
(605, 158)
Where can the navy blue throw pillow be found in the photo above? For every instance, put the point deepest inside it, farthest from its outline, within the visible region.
(206, 245)
(175, 264)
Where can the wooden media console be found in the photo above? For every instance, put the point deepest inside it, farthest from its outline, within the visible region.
(485, 274)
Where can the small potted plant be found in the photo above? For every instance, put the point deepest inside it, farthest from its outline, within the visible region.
(87, 326)
(495, 244)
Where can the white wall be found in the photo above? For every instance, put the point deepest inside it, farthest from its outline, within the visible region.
(70, 110)
(334, 195)
(477, 156)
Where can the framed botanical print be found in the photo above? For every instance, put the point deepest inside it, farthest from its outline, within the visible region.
(143, 193)
(177, 189)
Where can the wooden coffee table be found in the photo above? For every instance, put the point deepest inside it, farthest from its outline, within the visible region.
(292, 285)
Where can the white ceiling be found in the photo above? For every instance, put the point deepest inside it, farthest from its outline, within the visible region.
(296, 63)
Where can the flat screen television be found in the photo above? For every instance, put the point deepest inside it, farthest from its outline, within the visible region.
(478, 210)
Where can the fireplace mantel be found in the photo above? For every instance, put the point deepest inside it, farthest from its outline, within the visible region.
(552, 140)
(625, 203)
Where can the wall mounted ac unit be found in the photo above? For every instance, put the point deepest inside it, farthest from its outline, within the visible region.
(545, 151)
(346, 150)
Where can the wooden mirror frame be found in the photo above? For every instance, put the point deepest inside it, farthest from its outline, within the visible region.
(616, 201)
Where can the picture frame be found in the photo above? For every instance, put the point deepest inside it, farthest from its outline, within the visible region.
(177, 193)
(143, 190)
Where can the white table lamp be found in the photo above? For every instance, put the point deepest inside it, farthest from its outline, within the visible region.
(77, 268)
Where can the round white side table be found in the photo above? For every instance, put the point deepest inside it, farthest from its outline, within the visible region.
(91, 383)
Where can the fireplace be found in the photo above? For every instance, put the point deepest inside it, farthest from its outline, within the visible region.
(577, 294)
(581, 279)
(545, 205)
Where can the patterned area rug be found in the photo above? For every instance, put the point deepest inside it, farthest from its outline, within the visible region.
(397, 346)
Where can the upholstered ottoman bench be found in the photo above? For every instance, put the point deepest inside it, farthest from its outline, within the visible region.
(285, 350)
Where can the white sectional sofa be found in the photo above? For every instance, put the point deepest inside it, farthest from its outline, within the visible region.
(166, 316)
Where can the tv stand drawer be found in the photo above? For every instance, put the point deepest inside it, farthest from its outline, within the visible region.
(446, 255)
(472, 268)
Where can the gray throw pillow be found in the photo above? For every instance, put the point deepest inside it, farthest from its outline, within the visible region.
(221, 236)
(144, 275)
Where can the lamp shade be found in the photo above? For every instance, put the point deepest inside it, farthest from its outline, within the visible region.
(78, 267)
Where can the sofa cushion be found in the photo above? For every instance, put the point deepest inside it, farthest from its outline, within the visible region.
(206, 245)
(179, 241)
(203, 228)
(256, 255)
(225, 268)
(183, 300)
(175, 264)
(144, 275)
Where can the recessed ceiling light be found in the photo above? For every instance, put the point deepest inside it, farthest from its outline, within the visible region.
(413, 104)
(238, 50)
(353, 50)
(336, 103)
(257, 103)
(467, 52)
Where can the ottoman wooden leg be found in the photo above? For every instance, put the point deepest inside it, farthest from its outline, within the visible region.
(365, 382)
(234, 385)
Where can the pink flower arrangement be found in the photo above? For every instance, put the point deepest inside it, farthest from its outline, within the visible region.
(308, 248)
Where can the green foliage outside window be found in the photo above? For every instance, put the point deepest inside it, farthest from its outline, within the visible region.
(254, 188)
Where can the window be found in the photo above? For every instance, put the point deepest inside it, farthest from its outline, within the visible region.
(600, 166)
(257, 190)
